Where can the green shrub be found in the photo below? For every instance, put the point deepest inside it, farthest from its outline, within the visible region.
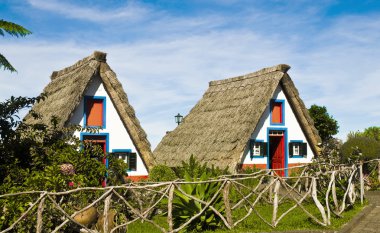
(360, 148)
(195, 169)
(185, 208)
(161, 173)
(44, 157)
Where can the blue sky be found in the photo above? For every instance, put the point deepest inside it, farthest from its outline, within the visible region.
(166, 52)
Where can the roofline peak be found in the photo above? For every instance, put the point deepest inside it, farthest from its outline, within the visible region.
(96, 55)
(277, 68)
(282, 67)
(100, 56)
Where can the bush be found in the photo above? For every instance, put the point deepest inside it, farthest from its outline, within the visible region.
(185, 208)
(195, 169)
(44, 157)
(360, 148)
(161, 173)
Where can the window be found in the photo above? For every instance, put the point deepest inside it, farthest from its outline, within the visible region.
(96, 140)
(297, 149)
(128, 157)
(94, 111)
(93, 142)
(257, 148)
(277, 112)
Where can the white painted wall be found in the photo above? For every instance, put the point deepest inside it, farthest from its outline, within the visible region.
(118, 135)
(293, 129)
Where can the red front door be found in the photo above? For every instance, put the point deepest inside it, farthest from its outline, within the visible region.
(277, 152)
(98, 140)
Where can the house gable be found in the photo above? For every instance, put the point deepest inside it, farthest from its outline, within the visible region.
(291, 127)
(218, 128)
(119, 138)
(70, 85)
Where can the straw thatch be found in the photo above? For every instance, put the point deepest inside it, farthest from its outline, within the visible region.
(218, 128)
(66, 90)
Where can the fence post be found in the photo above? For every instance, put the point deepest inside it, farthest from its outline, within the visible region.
(107, 203)
(226, 192)
(270, 188)
(378, 170)
(39, 215)
(275, 202)
(170, 207)
(316, 201)
(361, 183)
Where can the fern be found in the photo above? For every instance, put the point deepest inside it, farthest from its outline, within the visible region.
(4, 63)
(13, 29)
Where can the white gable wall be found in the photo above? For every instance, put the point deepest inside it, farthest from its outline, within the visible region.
(294, 132)
(118, 135)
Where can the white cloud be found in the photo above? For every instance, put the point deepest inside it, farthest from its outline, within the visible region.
(130, 12)
(336, 66)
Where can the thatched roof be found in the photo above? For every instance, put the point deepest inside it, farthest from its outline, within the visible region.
(66, 90)
(218, 128)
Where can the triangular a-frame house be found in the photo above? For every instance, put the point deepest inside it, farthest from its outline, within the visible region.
(254, 120)
(89, 94)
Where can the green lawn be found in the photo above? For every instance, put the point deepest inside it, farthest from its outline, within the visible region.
(295, 220)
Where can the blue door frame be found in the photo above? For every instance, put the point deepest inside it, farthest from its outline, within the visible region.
(285, 147)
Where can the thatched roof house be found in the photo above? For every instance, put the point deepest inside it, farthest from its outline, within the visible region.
(87, 78)
(233, 114)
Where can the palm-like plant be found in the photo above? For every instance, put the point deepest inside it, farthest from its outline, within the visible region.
(13, 30)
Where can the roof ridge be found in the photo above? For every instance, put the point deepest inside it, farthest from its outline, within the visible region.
(96, 55)
(280, 67)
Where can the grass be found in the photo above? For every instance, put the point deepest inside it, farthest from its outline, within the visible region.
(295, 220)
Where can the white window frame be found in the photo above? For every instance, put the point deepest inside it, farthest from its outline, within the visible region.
(256, 149)
(296, 149)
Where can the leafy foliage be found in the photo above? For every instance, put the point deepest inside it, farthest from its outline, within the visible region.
(185, 208)
(13, 30)
(326, 125)
(44, 157)
(370, 132)
(195, 168)
(161, 173)
(360, 148)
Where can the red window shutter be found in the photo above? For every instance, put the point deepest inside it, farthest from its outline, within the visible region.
(94, 112)
(276, 112)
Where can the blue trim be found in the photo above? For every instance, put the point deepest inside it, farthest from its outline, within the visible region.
(285, 147)
(297, 156)
(257, 140)
(85, 110)
(121, 150)
(250, 149)
(125, 150)
(107, 135)
(282, 111)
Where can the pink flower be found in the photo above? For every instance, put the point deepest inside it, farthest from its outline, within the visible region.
(71, 184)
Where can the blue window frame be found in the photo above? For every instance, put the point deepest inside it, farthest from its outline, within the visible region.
(277, 112)
(257, 148)
(285, 131)
(83, 136)
(297, 149)
(88, 99)
(127, 156)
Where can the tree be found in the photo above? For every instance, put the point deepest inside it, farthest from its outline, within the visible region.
(372, 132)
(13, 30)
(326, 125)
(45, 157)
(360, 148)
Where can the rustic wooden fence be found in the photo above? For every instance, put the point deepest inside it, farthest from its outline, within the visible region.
(316, 183)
